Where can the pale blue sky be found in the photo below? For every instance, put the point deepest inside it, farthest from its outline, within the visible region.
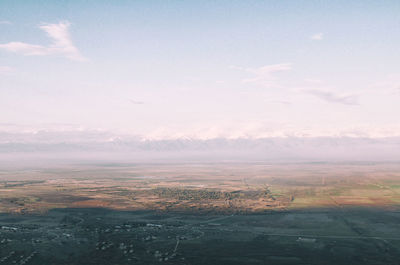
(201, 69)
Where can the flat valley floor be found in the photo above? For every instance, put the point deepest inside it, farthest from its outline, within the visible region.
(314, 213)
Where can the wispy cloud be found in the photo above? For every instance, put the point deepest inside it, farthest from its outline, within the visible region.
(390, 85)
(136, 102)
(283, 102)
(313, 81)
(5, 22)
(332, 97)
(61, 43)
(5, 70)
(265, 75)
(317, 36)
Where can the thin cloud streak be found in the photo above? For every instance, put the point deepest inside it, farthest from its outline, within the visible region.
(61, 43)
(390, 85)
(331, 97)
(5, 70)
(317, 36)
(265, 75)
(283, 102)
(136, 102)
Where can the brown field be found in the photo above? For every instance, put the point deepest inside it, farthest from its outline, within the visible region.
(205, 188)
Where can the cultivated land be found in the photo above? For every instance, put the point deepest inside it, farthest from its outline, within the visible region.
(306, 213)
(201, 188)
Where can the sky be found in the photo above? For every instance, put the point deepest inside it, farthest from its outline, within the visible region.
(201, 69)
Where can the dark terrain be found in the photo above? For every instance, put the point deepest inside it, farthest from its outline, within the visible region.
(100, 236)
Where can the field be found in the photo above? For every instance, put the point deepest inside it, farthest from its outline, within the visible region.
(207, 188)
(318, 213)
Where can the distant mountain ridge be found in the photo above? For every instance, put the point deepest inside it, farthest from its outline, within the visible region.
(304, 148)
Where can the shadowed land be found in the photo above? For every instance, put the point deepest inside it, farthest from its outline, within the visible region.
(101, 236)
